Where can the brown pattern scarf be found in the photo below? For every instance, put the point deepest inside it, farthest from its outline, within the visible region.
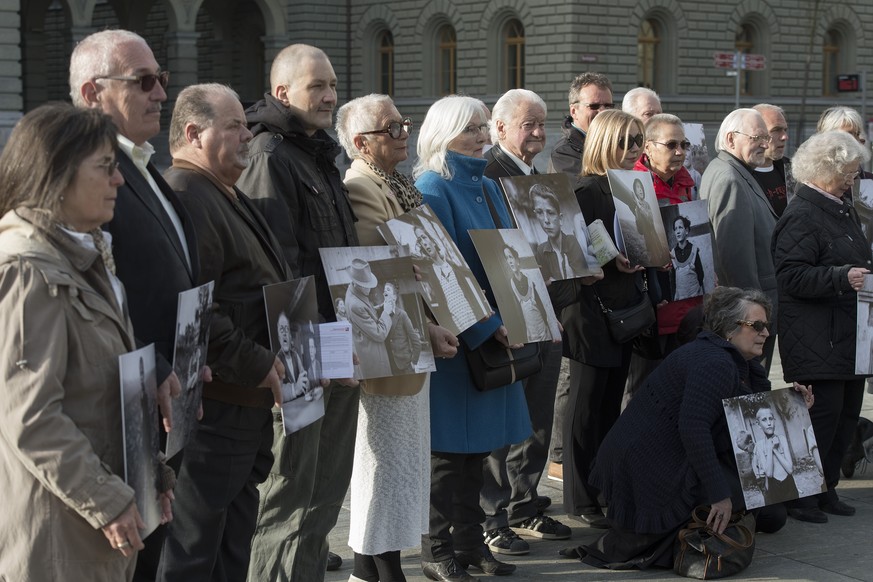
(407, 194)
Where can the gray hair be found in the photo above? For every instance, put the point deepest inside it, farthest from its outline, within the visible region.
(824, 156)
(195, 104)
(359, 115)
(632, 97)
(97, 55)
(585, 79)
(506, 107)
(284, 68)
(657, 122)
(445, 120)
(762, 107)
(838, 118)
(724, 306)
(735, 121)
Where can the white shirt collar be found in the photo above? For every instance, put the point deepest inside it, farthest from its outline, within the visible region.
(139, 154)
(518, 161)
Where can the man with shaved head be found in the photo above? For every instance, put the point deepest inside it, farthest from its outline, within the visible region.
(294, 181)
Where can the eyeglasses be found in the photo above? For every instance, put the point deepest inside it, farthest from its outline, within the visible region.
(851, 175)
(394, 129)
(758, 325)
(673, 144)
(757, 138)
(110, 167)
(472, 129)
(597, 106)
(146, 82)
(634, 139)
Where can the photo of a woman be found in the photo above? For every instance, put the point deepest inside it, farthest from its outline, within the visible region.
(529, 300)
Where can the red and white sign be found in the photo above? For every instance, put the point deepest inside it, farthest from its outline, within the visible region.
(747, 61)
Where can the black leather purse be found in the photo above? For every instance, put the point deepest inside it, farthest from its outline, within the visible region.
(629, 322)
(493, 365)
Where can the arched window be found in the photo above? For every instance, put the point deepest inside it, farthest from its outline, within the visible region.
(385, 71)
(753, 38)
(838, 55)
(647, 54)
(446, 60)
(745, 43)
(513, 47)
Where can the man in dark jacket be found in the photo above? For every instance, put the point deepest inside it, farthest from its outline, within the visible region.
(216, 496)
(293, 179)
(774, 176)
(590, 93)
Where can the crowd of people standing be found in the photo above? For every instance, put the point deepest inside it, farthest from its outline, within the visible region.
(96, 244)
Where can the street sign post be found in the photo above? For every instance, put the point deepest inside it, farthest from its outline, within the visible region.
(739, 61)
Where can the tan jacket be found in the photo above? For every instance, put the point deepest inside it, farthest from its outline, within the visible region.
(61, 447)
(374, 203)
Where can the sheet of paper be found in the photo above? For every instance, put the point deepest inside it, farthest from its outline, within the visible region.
(337, 347)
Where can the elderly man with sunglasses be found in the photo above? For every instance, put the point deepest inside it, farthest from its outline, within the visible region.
(590, 93)
(742, 217)
(152, 237)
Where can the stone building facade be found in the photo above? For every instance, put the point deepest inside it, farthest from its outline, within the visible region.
(421, 49)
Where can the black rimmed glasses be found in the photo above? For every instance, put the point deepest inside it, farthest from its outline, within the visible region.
(146, 82)
(597, 106)
(758, 138)
(674, 144)
(109, 166)
(758, 325)
(394, 129)
(633, 139)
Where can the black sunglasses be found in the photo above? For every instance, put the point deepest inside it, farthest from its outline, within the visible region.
(637, 139)
(597, 106)
(758, 325)
(673, 144)
(146, 82)
(394, 129)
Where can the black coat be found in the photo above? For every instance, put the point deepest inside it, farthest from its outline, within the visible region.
(567, 154)
(815, 243)
(149, 259)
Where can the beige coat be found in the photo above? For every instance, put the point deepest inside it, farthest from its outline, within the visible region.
(61, 447)
(374, 204)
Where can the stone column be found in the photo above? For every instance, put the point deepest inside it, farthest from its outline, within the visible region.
(11, 72)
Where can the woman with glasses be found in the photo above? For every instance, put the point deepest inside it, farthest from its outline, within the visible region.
(821, 257)
(390, 483)
(671, 449)
(68, 514)
(598, 365)
(466, 424)
(664, 158)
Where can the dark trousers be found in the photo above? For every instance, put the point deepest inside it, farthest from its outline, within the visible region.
(593, 407)
(562, 393)
(216, 503)
(455, 514)
(834, 417)
(512, 474)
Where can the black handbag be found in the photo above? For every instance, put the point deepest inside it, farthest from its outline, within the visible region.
(703, 554)
(629, 322)
(493, 365)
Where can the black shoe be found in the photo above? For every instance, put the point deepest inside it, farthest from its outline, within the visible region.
(484, 560)
(334, 562)
(808, 514)
(837, 508)
(595, 520)
(542, 503)
(446, 570)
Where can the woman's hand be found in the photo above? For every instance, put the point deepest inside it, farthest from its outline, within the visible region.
(443, 342)
(719, 515)
(167, 391)
(502, 336)
(806, 392)
(856, 277)
(123, 531)
(166, 500)
(592, 279)
(624, 265)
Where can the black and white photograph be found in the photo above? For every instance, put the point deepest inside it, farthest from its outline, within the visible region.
(292, 318)
(380, 297)
(636, 211)
(546, 211)
(775, 447)
(864, 206)
(689, 235)
(697, 156)
(193, 316)
(449, 287)
(864, 337)
(139, 419)
(519, 289)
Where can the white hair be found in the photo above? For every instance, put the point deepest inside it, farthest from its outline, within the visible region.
(736, 120)
(445, 120)
(359, 115)
(840, 118)
(656, 123)
(631, 99)
(762, 107)
(97, 55)
(506, 107)
(825, 156)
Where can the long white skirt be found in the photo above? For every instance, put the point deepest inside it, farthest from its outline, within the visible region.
(390, 488)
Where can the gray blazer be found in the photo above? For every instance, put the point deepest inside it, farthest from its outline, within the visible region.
(742, 226)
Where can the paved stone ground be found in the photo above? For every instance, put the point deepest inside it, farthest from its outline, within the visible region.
(838, 551)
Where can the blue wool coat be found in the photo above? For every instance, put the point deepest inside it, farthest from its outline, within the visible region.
(463, 419)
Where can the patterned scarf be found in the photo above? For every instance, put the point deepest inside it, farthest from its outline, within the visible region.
(405, 191)
(103, 249)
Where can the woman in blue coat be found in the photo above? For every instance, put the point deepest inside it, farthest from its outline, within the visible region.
(466, 424)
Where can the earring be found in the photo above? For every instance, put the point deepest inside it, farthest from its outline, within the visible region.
(62, 198)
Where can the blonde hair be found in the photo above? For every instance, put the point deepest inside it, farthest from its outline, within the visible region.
(601, 141)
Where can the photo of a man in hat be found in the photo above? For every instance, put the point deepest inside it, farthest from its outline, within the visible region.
(369, 328)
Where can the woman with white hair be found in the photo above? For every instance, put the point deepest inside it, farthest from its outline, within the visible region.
(821, 257)
(466, 424)
(841, 118)
(390, 483)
